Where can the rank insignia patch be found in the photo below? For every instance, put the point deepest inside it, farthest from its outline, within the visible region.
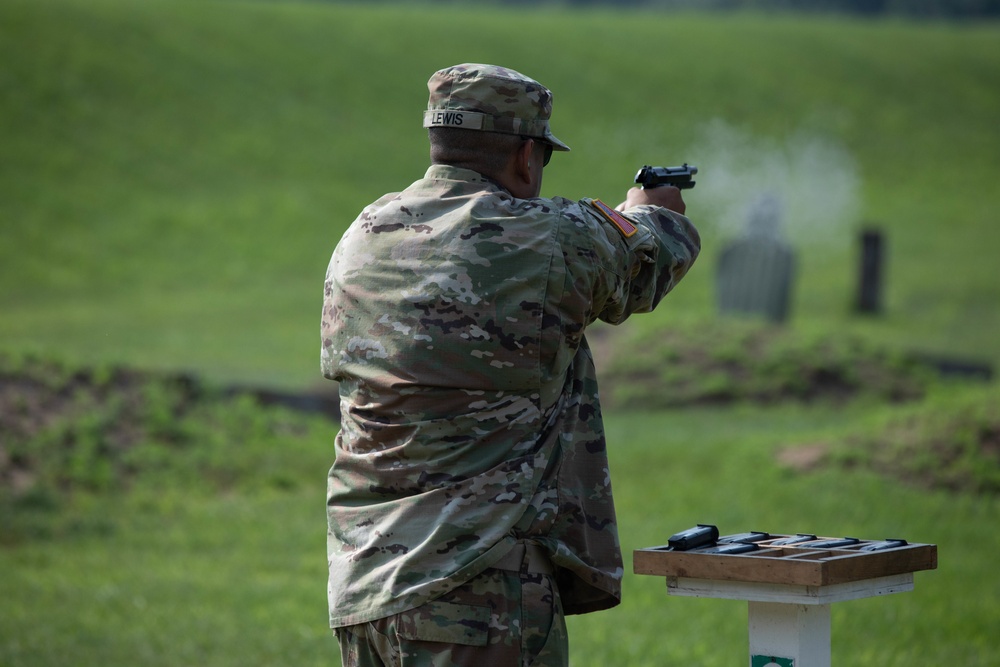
(624, 225)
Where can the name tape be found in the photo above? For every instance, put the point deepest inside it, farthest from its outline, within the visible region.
(470, 120)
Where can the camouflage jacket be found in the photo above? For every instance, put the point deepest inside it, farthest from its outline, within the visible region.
(453, 320)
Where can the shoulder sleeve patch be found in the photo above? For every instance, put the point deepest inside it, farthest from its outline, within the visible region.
(624, 225)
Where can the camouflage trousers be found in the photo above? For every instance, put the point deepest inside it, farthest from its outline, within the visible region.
(500, 618)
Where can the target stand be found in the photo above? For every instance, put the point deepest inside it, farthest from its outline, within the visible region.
(789, 583)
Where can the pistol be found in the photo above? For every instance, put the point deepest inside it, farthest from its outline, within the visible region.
(679, 177)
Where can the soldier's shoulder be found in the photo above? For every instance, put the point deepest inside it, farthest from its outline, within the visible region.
(381, 202)
(578, 212)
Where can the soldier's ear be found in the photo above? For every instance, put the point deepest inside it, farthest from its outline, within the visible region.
(522, 160)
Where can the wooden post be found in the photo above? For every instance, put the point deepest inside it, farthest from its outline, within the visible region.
(870, 280)
(788, 624)
(796, 634)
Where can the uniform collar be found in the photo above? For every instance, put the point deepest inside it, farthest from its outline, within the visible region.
(446, 172)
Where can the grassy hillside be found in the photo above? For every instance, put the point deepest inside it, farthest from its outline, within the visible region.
(175, 174)
(214, 555)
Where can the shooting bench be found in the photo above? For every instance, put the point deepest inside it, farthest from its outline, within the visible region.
(789, 588)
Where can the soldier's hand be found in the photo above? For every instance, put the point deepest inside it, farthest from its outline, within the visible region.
(666, 195)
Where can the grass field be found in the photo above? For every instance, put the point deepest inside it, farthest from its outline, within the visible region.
(177, 572)
(174, 178)
(177, 173)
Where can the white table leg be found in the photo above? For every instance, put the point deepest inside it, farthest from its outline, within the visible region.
(796, 632)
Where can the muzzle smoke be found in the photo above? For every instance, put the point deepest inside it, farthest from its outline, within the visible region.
(807, 184)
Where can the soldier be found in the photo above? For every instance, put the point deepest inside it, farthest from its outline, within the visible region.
(469, 505)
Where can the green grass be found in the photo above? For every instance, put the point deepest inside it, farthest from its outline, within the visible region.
(178, 572)
(174, 579)
(739, 360)
(950, 442)
(175, 175)
(725, 474)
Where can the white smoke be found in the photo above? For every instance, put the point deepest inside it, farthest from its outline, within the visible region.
(813, 182)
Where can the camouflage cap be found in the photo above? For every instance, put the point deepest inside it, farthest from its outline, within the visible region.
(491, 99)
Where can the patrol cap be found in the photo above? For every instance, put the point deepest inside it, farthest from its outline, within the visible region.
(490, 99)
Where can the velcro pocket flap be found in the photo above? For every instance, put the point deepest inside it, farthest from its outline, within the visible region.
(446, 622)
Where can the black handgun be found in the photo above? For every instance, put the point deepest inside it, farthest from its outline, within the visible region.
(679, 177)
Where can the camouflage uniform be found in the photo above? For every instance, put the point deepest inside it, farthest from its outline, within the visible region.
(454, 319)
(497, 618)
